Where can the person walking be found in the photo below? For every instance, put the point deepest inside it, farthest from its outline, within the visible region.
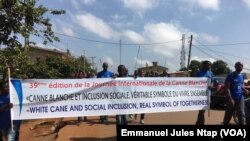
(142, 115)
(104, 74)
(5, 118)
(235, 95)
(80, 75)
(121, 119)
(204, 72)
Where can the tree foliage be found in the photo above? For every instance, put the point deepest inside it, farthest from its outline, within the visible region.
(16, 59)
(220, 67)
(52, 67)
(56, 67)
(194, 67)
(23, 17)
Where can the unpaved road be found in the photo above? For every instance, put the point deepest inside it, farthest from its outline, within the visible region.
(92, 130)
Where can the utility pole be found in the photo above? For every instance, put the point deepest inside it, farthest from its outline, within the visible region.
(137, 57)
(183, 52)
(84, 60)
(165, 63)
(92, 62)
(120, 52)
(141, 62)
(189, 53)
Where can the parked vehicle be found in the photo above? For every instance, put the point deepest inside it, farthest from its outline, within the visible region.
(217, 98)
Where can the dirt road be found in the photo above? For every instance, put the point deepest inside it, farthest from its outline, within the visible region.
(91, 130)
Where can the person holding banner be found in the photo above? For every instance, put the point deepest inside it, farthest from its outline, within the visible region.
(5, 119)
(121, 119)
(104, 74)
(235, 98)
(204, 72)
(142, 117)
(80, 75)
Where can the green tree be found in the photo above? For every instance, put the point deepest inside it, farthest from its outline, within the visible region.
(16, 59)
(194, 67)
(220, 67)
(23, 17)
(52, 67)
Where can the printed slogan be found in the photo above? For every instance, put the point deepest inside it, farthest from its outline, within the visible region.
(53, 98)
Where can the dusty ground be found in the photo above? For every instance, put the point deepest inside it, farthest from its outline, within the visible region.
(91, 130)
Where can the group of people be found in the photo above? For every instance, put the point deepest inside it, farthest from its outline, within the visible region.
(234, 90)
(233, 87)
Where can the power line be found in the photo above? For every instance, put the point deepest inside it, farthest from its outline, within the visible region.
(206, 53)
(225, 53)
(85, 39)
(212, 51)
(116, 43)
(218, 58)
(229, 44)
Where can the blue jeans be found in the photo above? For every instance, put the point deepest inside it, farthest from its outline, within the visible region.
(11, 135)
(121, 119)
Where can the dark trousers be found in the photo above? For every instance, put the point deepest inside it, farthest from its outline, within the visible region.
(142, 116)
(121, 119)
(239, 106)
(201, 118)
(79, 119)
(103, 118)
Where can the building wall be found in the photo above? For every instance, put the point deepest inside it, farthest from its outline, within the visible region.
(37, 53)
(158, 69)
(179, 74)
(154, 68)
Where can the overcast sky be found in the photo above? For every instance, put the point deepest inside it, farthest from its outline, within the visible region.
(220, 30)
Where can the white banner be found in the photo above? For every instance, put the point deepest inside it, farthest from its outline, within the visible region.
(53, 98)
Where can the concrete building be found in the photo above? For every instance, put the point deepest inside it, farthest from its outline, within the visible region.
(155, 68)
(38, 53)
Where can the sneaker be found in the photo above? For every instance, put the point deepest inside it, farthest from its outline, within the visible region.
(142, 121)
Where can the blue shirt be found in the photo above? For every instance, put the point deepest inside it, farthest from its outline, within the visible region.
(104, 74)
(236, 84)
(5, 120)
(205, 73)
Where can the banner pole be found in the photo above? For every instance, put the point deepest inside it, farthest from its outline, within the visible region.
(209, 91)
(11, 114)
